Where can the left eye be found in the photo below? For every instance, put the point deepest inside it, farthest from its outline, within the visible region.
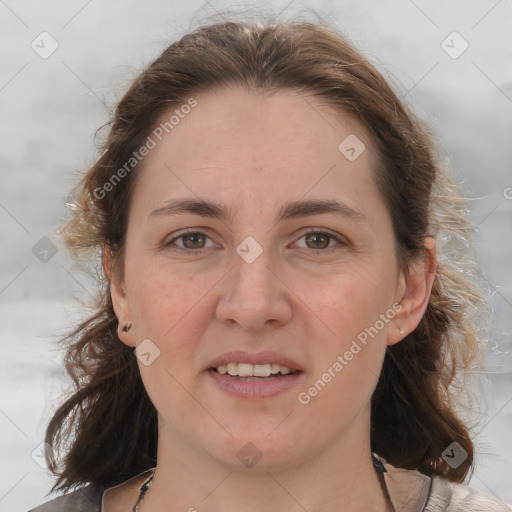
(319, 240)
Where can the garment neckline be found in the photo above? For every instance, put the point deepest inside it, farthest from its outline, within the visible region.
(408, 490)
(147, 471)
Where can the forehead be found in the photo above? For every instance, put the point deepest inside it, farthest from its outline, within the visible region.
(257, 146)
(285, 123)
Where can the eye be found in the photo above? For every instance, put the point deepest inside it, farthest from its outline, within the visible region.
(190, 241)
(322, 241)
(195, 241)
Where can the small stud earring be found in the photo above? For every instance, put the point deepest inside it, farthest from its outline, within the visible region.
(401, 330)
(127, 327)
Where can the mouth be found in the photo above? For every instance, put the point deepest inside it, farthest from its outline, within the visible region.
(247, 371)
(255, 381)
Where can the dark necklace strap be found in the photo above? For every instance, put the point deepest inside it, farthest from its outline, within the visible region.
(381, 470)
(377, 464)
(143, 490)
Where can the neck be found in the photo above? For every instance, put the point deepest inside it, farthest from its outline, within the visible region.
(342, 476)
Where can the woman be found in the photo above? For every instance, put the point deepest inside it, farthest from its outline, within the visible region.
(276, 329)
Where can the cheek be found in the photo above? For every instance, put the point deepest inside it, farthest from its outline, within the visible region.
(354, 300)
(356, 308)
(167, 307)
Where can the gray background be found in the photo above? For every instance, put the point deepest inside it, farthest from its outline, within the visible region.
(51, 107)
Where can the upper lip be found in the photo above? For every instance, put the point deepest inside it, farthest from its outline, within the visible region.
(267, 356)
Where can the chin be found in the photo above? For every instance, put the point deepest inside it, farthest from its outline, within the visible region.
(259, 451)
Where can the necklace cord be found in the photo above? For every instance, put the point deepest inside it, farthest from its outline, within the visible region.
(142, 491)
(378, 465)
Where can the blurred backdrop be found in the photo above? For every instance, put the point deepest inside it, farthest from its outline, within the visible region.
(64, 65)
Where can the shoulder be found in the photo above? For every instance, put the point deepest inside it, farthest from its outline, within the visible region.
(86, 499)
(447, 496)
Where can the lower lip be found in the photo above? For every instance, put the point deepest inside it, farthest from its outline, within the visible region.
(255, 388)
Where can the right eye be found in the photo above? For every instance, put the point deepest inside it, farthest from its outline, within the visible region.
(191, 241)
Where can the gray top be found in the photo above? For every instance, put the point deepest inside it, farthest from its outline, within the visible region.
(409, 491)
(87, 499)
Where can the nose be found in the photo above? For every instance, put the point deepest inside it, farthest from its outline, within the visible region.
(254, 295)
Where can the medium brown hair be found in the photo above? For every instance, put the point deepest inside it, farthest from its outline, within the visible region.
(108, 424)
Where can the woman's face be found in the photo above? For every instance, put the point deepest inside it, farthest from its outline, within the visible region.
(289, 260)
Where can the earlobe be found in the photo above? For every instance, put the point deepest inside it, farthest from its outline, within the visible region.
(415, 295)
(119, 299)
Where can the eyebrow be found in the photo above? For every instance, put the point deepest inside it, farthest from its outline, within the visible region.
(287, 211)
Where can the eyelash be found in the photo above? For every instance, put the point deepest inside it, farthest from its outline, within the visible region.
(341, 241)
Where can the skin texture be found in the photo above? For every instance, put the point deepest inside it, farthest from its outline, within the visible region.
(253, 152)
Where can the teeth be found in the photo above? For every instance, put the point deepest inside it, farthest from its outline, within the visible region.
(253, 370)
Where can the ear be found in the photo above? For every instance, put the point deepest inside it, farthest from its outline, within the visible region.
(119, 298)
(414, 293)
